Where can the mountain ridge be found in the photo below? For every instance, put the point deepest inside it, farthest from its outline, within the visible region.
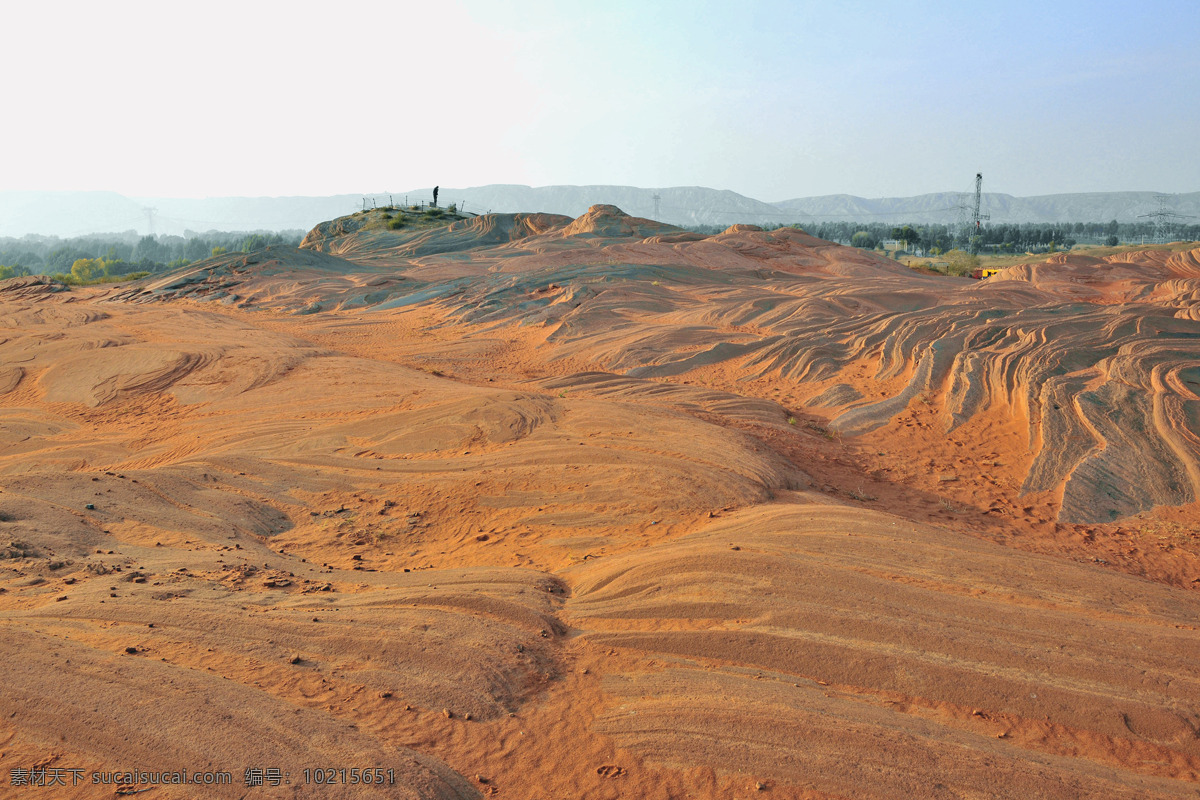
(67, 214)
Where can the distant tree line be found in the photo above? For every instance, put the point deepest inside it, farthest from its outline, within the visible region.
(999, 238)
(119, 254)
(927, 239)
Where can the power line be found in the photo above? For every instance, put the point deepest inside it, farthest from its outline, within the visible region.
(814, 216)
(1163, 219)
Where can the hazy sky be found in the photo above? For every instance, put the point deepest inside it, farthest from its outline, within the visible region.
(771, 99)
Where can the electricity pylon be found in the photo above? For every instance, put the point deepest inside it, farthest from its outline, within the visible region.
(1163, 219)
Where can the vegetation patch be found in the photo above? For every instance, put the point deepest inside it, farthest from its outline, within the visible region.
(125, 256)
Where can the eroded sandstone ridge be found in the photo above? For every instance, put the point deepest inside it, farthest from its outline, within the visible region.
(1096, 359)
(538, 507)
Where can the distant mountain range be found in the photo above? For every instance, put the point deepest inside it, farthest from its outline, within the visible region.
(68, 214)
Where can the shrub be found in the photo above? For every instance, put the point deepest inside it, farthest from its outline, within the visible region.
(960, 264)
(86, 269)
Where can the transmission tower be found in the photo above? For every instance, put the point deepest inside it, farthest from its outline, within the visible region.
(1164, 220)
(976, 217)
(149, 219)
(970, 217)
(656, 198)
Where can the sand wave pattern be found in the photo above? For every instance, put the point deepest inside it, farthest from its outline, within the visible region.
(534, 507)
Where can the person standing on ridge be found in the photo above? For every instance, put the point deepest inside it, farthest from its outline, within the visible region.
(435, 196)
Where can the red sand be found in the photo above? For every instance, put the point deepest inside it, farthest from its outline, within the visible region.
(626, 512)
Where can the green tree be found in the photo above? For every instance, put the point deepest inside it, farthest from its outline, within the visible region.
(255, 241)
(864, 240)
(149, 249)
(5, 272)
(85, 270)
(196, 249)
(61, 258)
(906, 235)
(119, 252)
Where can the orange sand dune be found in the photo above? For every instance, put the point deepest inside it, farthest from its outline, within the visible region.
(530, 507)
